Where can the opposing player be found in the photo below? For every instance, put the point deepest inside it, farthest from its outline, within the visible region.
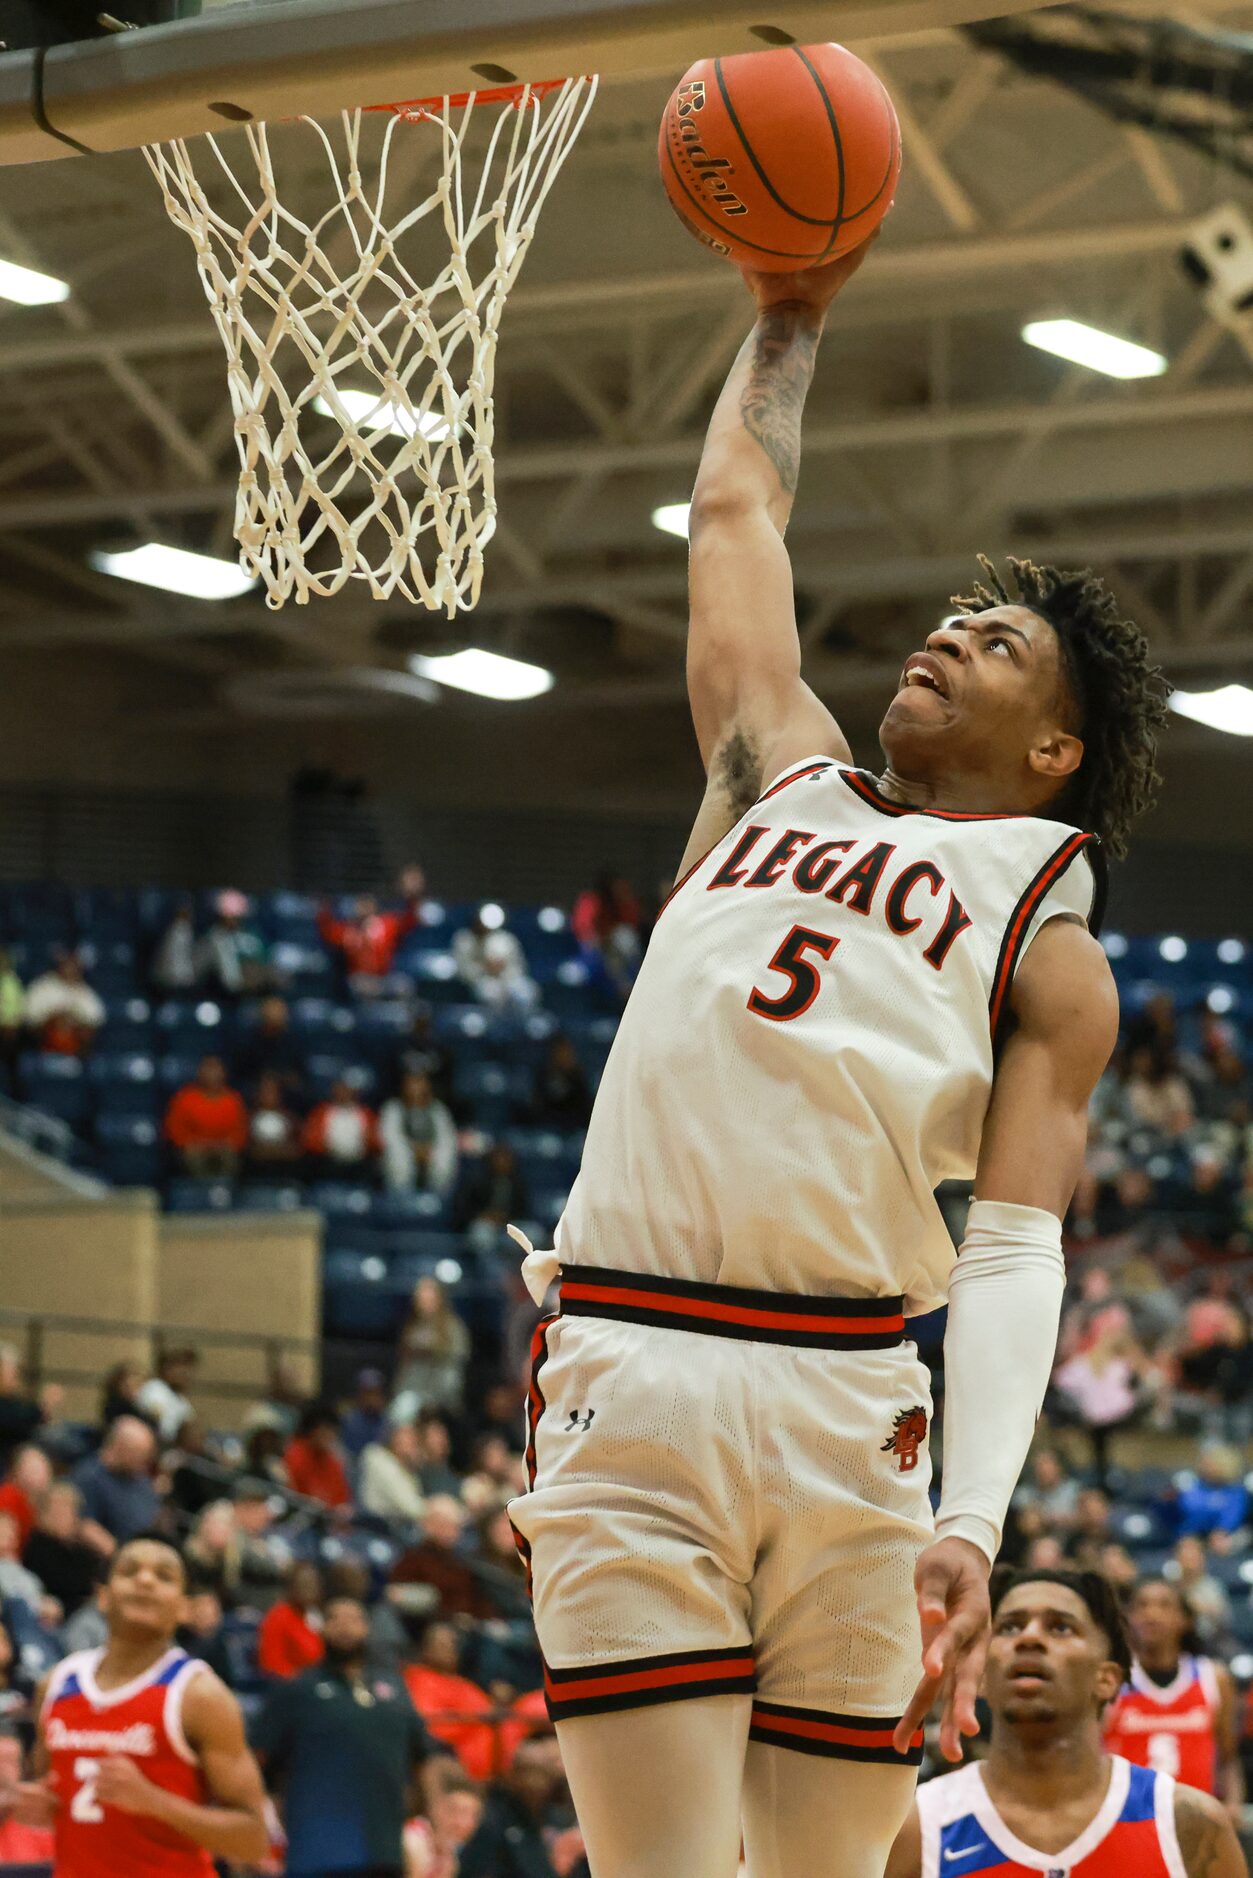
(861, 985)
(145, 1769)
(1177, 1710)
(1049, 1797)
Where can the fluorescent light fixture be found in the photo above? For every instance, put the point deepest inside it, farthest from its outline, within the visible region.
(370, 410)
(1228, 707)
(29, 288)
(487, 674)
(671, 518)
(176, 570)
(1088, 345)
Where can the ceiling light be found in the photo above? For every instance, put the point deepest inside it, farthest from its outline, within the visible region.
(1229, 708)
(1173, 949)
(176, 570)
(488, 674)
(1231, 951)
(370, 410)
(1088, 345)
(1115, 945)
(671, 518)
(29, 288)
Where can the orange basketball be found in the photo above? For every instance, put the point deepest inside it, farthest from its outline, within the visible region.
(783, 159)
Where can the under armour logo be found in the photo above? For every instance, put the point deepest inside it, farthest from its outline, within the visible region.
(579, 1418)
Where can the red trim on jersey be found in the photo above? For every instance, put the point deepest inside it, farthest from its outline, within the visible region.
(785, 782)
(730, 1311)
(645, 1681)
(844, 1737)
(1021, 917)
(811, 769)
(864, 786)
(535, 1406)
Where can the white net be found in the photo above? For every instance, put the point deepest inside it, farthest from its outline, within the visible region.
(361, 343)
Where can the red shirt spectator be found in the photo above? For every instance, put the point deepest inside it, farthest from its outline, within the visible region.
(19, 1845)
(28, 1479)
(207, 1115)
(313, 1462)
(342, 1131)
(369, 940)
(289, 1640)
(438, 1692)
(432, 1578)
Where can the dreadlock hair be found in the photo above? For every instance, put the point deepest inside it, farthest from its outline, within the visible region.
(1119, 696)
(1092, 1588)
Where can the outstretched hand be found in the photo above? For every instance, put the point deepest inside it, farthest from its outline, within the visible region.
(951, 1580)
(814, 287)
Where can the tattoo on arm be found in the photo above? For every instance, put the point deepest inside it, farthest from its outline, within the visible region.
(784, 347)
(1206, 1837)
(738, 770)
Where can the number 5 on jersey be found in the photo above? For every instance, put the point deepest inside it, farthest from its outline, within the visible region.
(804, 981)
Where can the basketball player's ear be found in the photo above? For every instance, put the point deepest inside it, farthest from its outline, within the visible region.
(1109, 1681)
(1056, 755)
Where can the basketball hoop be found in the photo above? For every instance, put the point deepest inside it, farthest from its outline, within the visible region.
(362, 397)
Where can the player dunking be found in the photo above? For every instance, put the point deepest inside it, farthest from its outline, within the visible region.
(1049, 1798)
(146, 1772)
(861, 986)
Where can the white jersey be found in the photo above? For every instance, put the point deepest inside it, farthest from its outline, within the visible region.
(808, 1050)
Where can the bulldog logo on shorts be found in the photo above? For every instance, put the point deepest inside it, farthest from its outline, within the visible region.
(909, 1431)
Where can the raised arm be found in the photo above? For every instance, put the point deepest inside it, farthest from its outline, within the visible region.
(753, 712)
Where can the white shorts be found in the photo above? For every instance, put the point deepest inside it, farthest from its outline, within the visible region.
(729, 1493)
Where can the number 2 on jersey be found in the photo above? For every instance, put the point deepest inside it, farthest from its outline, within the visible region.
(85, 1807)
(805, 982)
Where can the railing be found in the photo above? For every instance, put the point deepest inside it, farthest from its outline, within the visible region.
(33, 1328)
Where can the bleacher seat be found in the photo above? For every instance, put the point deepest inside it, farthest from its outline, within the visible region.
(125, 1083)
(200, 1196)
(342, 1198)
(56, 1085)
(359, 1299)
(275, 1197)
(491, 1091)
(409, 1209)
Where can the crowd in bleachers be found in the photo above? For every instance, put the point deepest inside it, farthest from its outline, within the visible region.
(375, 1062)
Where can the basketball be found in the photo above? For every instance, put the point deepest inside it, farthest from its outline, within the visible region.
(780, 160)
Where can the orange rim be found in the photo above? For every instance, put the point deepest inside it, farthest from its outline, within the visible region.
(496, 94)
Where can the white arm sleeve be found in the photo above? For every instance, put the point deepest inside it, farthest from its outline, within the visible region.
(1005, 1301)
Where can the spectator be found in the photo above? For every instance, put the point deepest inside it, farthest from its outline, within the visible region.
(1103, 1388)
(289, 1640)
(1050, 1492)
(118, 1495)
(207, 1124)
(163, 1399)
(498, 1567)
(213, 1552)
(1205, 1596)
(28, 1479)
(419, 1140)
(315, 1467)
(19, 1845)
(434, 1352)
(15, 1691)
(528, 1828)
(342, 1746)
(1093, 1531)
(495, 1194)
(202, 1634)
(388, 1644)
(1223, 1097)
(232, 959)
(285, 1398)
(431, 1579)
(433, 1845)
(264, 1447)
(367, 943)
(389, 1487)
(68, 1568)
(271, 1050)
(1118, 1566)
(174, 969)
(119, 1393)
(341, 1135)
(62, 1009)
(1216, 1366)
(606, 922)
(264, 1558)
(16, 1581)
(20, 1415)
(366, 1420)
(491, 963)
(1157, 1095)
(1215, 1499)
(274, 1144)
(435, 1471)
(456, 1711)
(562, 1095)
(12, 1015)
(420, 1054)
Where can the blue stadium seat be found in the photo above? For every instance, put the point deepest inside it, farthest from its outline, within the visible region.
(126, 1085)
(174, 1071)
(56, 1085)
(491, 1091)
(199, 1196)
(342, 1198)
(410, 1210)
(276, 1197)
(129, 1151)
(359, 1299)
